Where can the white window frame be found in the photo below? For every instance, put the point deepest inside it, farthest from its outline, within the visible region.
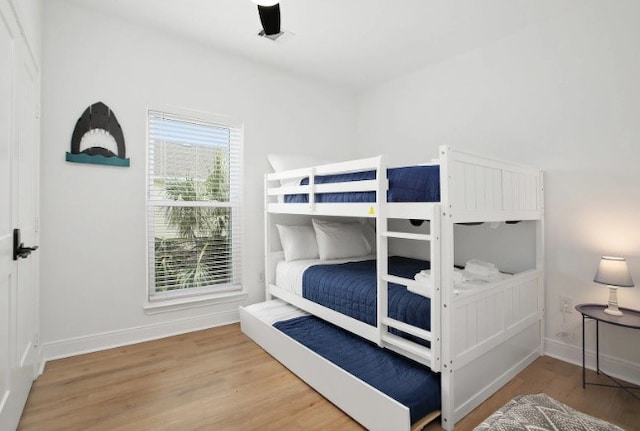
(179, 299)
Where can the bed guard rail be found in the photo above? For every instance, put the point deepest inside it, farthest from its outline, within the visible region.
(279, 184)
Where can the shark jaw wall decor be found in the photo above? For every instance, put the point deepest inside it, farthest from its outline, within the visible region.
(98, 123)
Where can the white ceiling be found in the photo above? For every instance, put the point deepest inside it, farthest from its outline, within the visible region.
(352, 43)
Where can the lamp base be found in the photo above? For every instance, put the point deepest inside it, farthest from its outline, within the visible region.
(613, 312)
(612, 307)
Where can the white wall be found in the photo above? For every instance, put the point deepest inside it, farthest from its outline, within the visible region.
(563, 95)
(93, 217)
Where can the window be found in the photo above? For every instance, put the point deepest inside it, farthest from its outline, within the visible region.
(193, 205)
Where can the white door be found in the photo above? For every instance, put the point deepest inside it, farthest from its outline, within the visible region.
(19, 352)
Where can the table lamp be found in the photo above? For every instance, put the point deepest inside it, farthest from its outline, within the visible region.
(613, 272)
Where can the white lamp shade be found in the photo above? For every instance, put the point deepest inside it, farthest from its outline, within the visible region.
(613, 271)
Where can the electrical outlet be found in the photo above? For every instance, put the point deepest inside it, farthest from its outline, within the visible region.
(566, 305)
(566, 335)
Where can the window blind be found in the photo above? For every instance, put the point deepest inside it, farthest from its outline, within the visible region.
(194, 205)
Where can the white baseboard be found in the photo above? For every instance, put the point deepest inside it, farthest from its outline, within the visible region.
(108, 340)
(615, 367)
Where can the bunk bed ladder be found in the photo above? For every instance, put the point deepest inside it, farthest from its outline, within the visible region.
(430, 356)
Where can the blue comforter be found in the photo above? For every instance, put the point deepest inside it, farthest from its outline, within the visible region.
(407, 382)
(350, 288)
(408, 184)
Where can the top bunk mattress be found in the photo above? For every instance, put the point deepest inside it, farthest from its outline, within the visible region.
(406, 184)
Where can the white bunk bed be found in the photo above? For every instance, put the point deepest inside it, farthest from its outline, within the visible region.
(477, 340)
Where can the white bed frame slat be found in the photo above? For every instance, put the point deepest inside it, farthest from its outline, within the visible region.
(393, 323)
(402, 345)
(407, 235)
(416, 286)
(352, 186)
(357, 327)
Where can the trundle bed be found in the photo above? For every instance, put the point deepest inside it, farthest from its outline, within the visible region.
(463, 337)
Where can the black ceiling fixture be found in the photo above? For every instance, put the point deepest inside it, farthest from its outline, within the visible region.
(270, 18)
(269, 11)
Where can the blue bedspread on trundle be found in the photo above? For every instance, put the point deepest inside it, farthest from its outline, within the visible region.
(350, 288)
(408, 184)
(407, 382)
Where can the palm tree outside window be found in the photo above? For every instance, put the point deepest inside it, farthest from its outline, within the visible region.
(193, 202)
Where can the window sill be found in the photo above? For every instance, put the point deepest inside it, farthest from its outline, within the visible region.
(167, 305)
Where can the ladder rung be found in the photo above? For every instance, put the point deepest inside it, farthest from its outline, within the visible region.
(409, 346)
(407, 235)
(420, 333)
(417, 287)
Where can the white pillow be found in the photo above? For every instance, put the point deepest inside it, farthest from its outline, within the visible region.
(340, 240)
(370, 235)
(298, 242)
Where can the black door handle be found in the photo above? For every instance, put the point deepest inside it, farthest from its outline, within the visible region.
(19, 250)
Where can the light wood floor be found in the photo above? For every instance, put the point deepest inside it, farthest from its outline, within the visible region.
(219, 379)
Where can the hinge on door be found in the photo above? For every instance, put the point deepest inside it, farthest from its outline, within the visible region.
(36, 339)
(37, 112)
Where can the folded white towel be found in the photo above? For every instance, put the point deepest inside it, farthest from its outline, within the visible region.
(462, 279)
(426, 284)
(458, 276)
(425, 273)
(479, 267)
(424, 276)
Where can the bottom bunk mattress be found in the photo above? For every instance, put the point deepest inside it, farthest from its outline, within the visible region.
(407, 382)
(350, 288)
